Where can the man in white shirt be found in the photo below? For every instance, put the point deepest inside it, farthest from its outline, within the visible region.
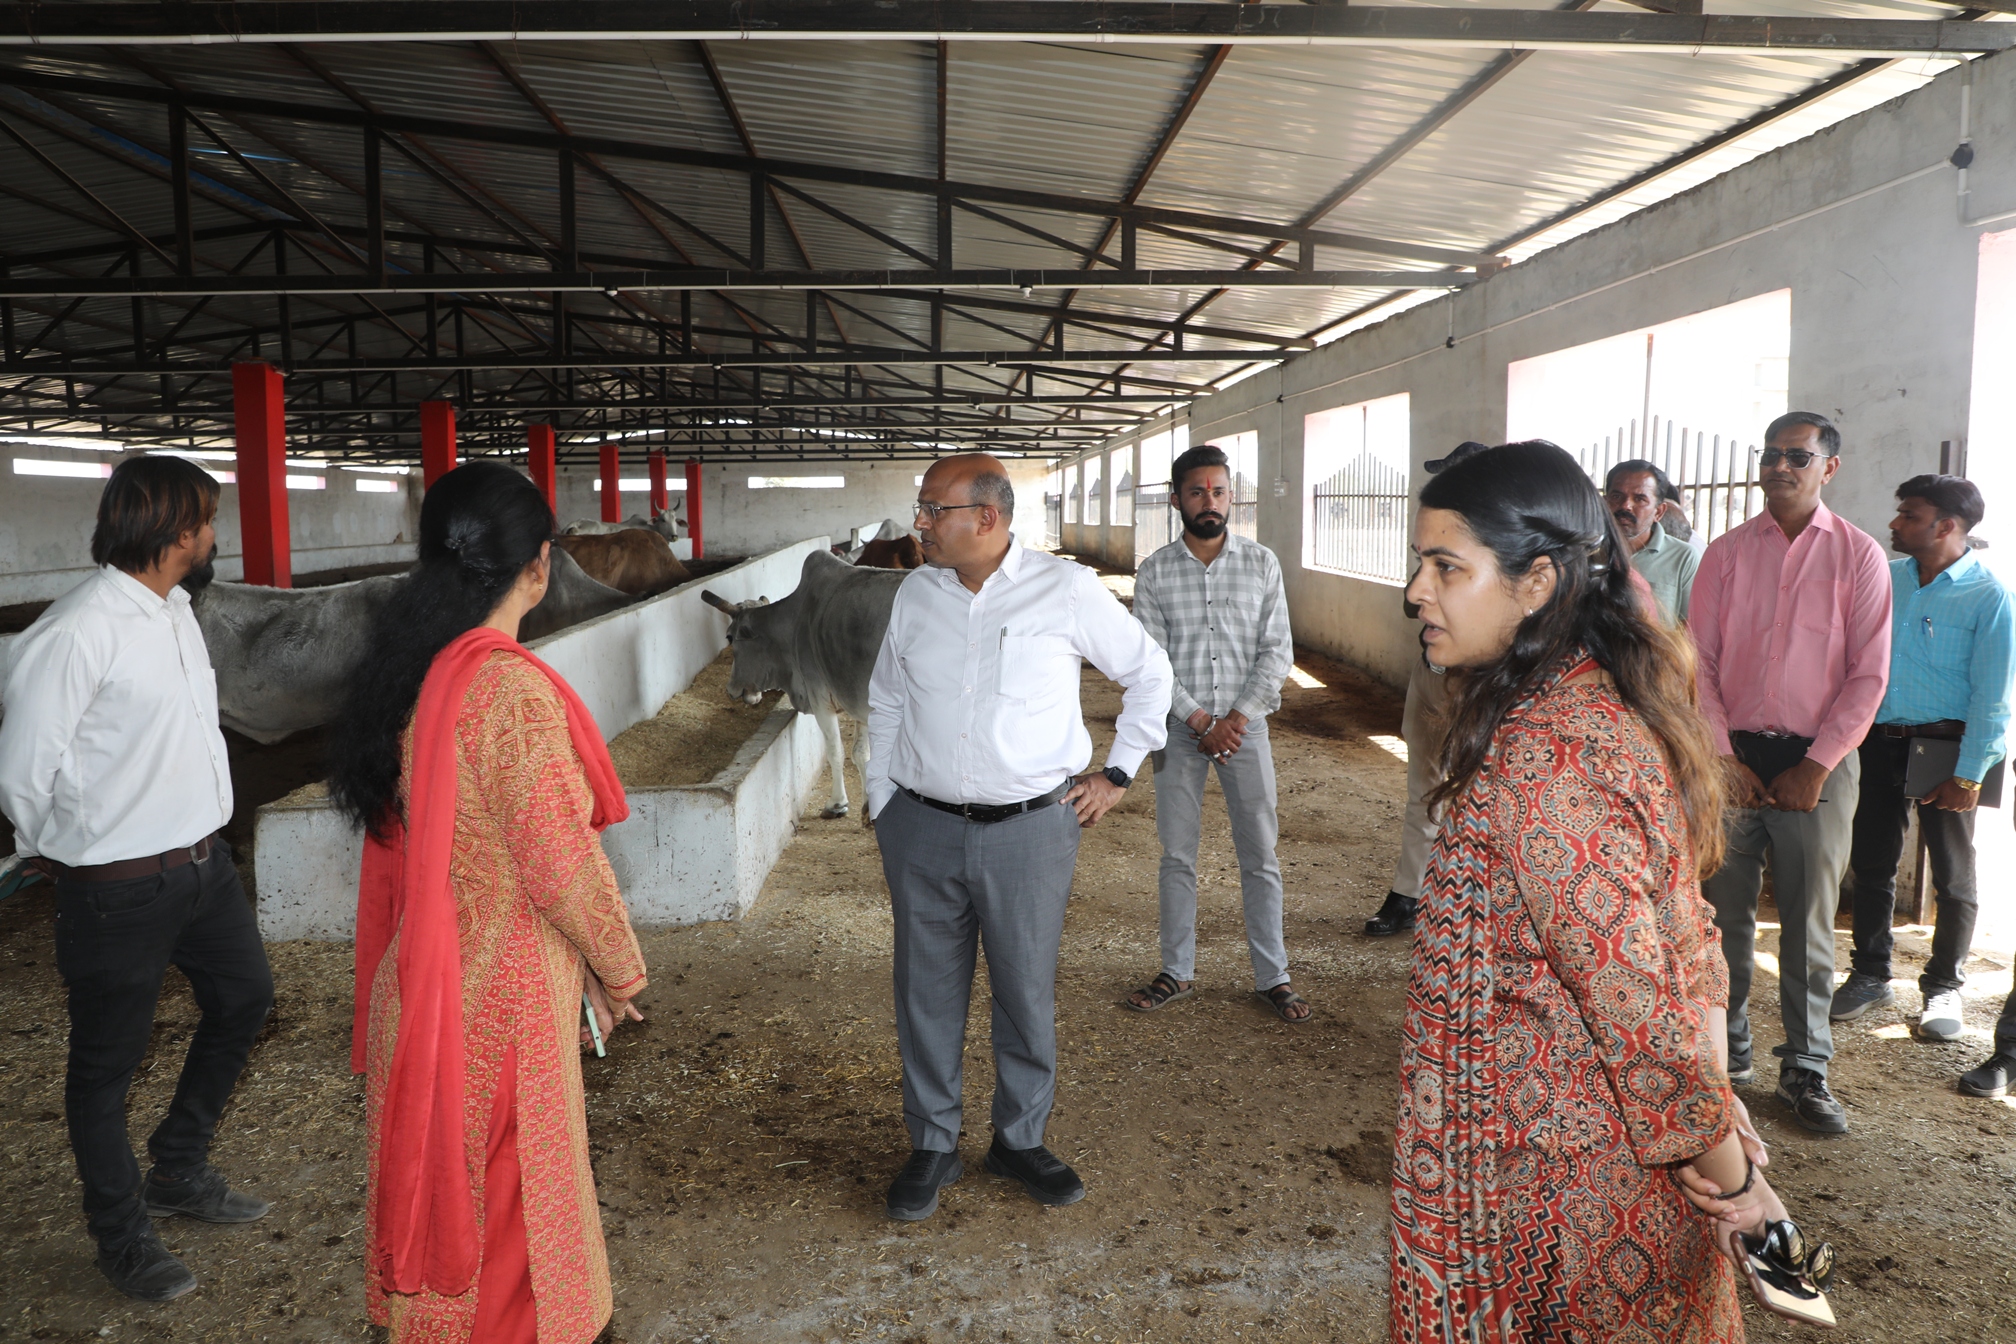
(114, 775)
(975, 736)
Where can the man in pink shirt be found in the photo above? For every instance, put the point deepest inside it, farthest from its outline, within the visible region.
(1791, 616)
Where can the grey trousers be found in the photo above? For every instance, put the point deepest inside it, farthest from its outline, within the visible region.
(956, 885)
(1422, 726)
(1808, 853)
(1248, 781)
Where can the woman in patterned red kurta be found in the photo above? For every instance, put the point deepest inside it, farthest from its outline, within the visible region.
(1560, 1051)
(485, 909)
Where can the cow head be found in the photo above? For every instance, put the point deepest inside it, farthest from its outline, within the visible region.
(761, 651)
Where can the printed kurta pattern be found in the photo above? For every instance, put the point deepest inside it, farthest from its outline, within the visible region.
(1555, 1058)
(534, 895)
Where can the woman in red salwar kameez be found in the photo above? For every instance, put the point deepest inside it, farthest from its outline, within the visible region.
(485, 909)
(1561, 1067)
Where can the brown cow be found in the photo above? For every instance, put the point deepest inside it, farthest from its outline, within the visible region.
(902, 553)
(636, 560)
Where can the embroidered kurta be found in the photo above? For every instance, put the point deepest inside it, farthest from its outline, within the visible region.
(534, 895)
(1554, 1055)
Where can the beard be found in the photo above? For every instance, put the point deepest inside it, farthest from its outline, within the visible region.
(1205, 526)
(200, 576)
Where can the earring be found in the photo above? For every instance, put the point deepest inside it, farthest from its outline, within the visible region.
(1529, 611)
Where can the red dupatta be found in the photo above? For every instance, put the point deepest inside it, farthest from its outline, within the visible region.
(425, 1232)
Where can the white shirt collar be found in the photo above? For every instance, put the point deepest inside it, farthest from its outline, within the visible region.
(139, 594)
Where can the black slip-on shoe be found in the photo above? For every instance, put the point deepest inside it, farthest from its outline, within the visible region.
(1813, 1106)
(1042, 1173)
(1992, 1079)
(203, 1195)
(913, 1196)
(138, 1265)
(1395, 916)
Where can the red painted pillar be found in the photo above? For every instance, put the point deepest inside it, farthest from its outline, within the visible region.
(437, 440)
(539, 460)
(260, 421)
(659, 502)
(612, 485)
(693, 505)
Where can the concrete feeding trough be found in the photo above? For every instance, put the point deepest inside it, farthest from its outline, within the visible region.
(687, 853)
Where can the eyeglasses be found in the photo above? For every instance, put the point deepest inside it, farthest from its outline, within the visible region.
(935, 511)
(1796, 458)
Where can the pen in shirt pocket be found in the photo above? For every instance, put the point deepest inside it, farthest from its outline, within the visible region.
(1928, 627)
(1000, 657)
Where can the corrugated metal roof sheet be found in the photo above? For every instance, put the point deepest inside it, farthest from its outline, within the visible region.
(1279, 129)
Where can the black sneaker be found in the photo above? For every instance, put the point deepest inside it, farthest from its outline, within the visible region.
(1859, 996)
(1742, 1073)
(1042, 1173)
(1395, 916)
(203, 1195)
(1992, 1079)
(139, 1266)
(913, 1196)
(1813, 1106)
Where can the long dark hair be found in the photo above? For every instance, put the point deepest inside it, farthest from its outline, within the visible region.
(480, 526)
(1528, 501)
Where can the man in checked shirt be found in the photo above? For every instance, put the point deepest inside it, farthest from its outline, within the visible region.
(1214, 601)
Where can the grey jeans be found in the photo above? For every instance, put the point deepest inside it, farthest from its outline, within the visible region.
(1424, 723)
(956, 886)
(1808, 853)
(1248, 780)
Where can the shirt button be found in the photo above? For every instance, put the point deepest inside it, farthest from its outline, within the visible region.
(962, 737)
(969, 690)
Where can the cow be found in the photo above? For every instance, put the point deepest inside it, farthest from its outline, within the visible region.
(635, 560)
(665, 525)
(283, 656)
(902, 553)
(819, 645)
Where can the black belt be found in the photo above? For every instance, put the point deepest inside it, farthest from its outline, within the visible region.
(127, 869)
(988, 813)
(1946, 730)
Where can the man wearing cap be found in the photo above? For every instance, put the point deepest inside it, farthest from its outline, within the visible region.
(976, 740)
(1423, 723)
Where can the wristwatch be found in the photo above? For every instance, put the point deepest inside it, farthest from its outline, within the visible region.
(1121, 779)
(1971, 785)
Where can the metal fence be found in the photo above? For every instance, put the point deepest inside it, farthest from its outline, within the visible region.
(1358, 521)
(1154, 520)
(1715, 474)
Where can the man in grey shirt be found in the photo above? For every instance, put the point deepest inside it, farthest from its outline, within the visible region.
(1636, 493)
(1214, 600)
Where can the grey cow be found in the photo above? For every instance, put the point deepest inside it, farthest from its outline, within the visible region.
(283, 656)
(819, 645)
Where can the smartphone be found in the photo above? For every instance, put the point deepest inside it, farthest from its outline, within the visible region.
(1785, 1294)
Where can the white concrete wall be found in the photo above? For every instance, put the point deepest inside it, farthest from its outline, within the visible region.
(46, 522)
(1859, 221)
(703, 851)
(624, 666)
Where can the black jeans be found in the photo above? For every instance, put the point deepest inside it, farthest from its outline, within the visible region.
(114, 942)
(1880, 819)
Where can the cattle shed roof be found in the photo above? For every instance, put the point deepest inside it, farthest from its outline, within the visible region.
(840, 228)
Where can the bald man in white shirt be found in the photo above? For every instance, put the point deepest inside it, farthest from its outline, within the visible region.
(976, 743)
(114, 775)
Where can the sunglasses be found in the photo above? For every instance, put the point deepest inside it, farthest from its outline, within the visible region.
(1796, 458)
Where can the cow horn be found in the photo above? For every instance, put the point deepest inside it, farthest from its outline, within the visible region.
(717, 602)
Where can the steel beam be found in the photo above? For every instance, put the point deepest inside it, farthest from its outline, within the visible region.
(202, 22)
(526, 282)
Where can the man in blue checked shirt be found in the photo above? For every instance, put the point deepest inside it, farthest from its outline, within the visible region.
(1952, 645)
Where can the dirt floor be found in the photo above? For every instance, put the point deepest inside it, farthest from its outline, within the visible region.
(744, 1136)
(693, 736)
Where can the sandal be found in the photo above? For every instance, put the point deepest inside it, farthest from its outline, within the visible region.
(1281, 998)
(1162, 991)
